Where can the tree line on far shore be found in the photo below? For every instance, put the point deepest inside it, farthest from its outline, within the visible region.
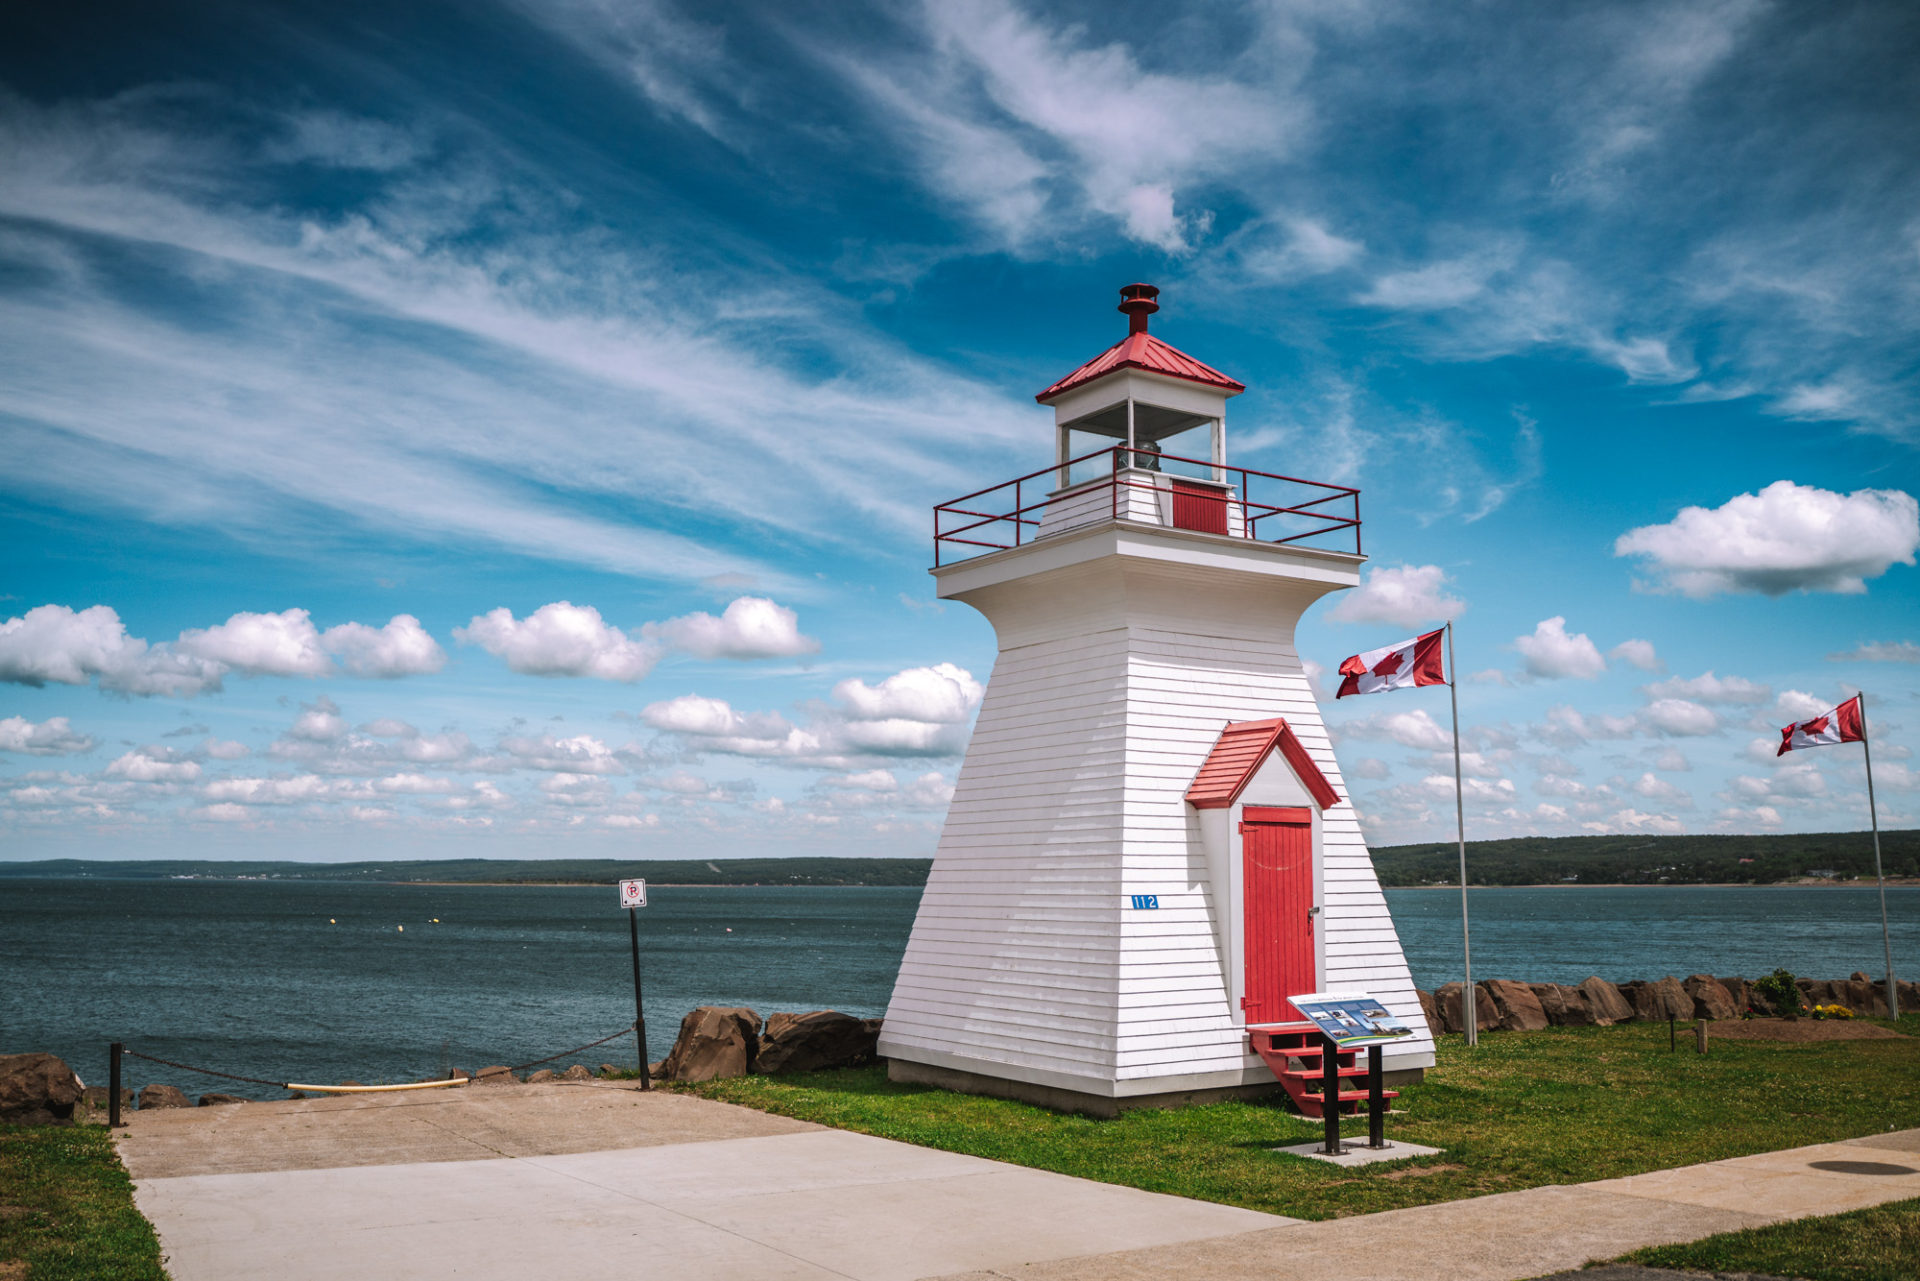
(1567, 860)
(1650, 860)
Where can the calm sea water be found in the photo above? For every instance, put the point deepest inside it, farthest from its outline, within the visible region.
(316, 981)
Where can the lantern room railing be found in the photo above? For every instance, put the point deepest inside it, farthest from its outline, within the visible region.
(1229, 501)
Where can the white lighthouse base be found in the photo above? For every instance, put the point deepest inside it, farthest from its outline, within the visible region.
(995, 1081)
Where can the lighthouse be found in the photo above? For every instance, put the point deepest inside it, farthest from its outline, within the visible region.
(1150, 847)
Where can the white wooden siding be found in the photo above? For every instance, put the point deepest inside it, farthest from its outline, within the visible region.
(1113, 682)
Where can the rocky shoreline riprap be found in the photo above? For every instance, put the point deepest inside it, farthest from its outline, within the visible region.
(1506, 1005)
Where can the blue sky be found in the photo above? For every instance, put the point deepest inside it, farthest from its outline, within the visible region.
(512, 429)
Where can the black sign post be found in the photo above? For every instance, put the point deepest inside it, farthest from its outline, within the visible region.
(1330, 1094)
(1376, 1101)
(633, 897)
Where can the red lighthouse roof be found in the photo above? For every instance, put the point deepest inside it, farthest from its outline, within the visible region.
(1237, 755)
(1141, 350)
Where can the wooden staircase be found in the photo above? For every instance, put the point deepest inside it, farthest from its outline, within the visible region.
(1296, 1054)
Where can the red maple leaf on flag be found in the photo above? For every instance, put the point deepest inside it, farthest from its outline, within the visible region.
(1389, 665)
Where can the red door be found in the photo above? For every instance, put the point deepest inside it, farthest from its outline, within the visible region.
(1277, 884)
(1201, 508)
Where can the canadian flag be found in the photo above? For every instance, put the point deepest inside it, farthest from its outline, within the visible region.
(1402, 666)
(1843, 724)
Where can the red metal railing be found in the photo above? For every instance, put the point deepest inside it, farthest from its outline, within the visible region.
(984, 520)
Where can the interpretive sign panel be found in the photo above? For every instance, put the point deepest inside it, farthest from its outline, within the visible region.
(1351, 1018)
(633, 894)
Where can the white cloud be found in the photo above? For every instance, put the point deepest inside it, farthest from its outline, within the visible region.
(561, 639)
(1413, 729)
(319, 722)
(1679, 718)
(1655, 788)
(943, 694)
(1406, 596)
(1798, 705)
(284, 644)
(630, 822)
(55, 644)
(401, 648)
(221, 749)
(54, 736)
(276, 789)
(415, 785)
(1879, 652)
(751, 627)
(1673, 760)
(1631, 820)
(1784, 539)
(1708, 688)
(1637, 653)
(154, 765)
(224, 812)
(1369, 767)
(1551, 653)
(1436, 286)
(579, 754)
(1566, 727)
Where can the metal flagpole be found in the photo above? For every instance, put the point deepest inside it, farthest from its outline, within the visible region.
(1873, 816)
(1471, 1002)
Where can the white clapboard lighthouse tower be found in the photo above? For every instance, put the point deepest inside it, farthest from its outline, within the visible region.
(1150, 847)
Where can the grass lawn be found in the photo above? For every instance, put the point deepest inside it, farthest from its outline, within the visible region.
(1881, 1244)
(1563, 1105)
(66, 1209)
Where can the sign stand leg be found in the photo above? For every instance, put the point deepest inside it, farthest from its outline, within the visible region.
(1376, 1101)
(639, 1012)
(1330, 1094)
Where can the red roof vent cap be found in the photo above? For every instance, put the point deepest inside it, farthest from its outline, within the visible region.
(1138, 302)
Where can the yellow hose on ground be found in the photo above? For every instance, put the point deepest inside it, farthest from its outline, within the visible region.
(376, 1089)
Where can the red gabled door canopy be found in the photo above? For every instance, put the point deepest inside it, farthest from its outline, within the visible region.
(1242, 748)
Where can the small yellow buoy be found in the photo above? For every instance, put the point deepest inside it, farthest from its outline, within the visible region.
(331, 921)
(436, 920)
(403, 929)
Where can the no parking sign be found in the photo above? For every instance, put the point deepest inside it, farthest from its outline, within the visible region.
(633, 894)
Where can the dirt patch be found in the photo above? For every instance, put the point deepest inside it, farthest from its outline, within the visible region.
(1799, 1031)
(1419, 1171)
(13, 1270)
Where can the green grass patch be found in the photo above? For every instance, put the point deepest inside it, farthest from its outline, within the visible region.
(1881, 1244)
(66, 1209)
(1564, 1105)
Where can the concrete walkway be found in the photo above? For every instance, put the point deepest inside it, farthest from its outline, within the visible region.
(591, 1181)
(506, 1182)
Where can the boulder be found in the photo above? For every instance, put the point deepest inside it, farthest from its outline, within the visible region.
(38, 1089)
(715, 1041)
(1859, 976)
(541, 1077)
(1711, 1000)
(163, 1096)
(1604, 1001)
(608, 1069)
(815, 1040)
(498, 1074)
(1741, 991)
(1564, 1006)
(1430, 1010)
(1453, 1016)
(1909, 993)
(219, 1100)
(578, 1072)
(1658, 1002)
(1516, 1007)
(1864, 996)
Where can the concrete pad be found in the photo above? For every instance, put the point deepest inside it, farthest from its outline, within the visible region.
(1504, 1237)
(824, 1203)
(467, 1124)
(1360, 1153)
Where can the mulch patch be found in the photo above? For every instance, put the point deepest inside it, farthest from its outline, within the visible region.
(1798, 1030)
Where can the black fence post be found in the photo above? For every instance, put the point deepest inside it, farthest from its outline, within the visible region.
(113, 1085)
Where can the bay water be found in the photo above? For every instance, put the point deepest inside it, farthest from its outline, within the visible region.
(324, 981)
